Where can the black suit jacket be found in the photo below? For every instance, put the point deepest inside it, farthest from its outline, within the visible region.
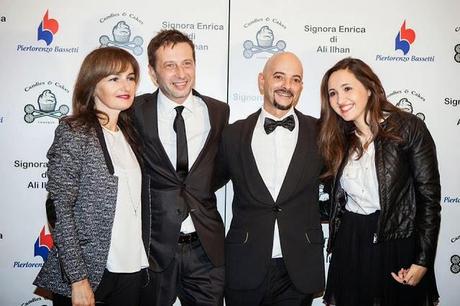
(249, 242)
(171, 198)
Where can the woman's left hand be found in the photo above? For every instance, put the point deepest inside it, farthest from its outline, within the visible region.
(411, 276)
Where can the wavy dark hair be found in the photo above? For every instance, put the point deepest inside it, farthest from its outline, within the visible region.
(97, 65)
(337, 137)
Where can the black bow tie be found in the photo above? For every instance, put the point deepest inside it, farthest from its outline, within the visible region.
(270, 125)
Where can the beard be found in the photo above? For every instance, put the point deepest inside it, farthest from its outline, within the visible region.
(281, 106)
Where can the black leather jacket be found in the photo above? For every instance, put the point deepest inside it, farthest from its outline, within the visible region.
(409, 189)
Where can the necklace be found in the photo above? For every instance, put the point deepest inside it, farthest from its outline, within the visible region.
(118, 145)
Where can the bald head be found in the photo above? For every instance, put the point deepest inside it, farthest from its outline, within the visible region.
(281, 83)
(288, 58)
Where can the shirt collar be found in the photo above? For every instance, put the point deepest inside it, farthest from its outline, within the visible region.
(264, 114)
(168, 106)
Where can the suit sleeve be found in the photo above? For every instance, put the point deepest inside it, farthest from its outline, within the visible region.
(222, 174)
(425, 173)
(135, 117)
(227, 114)
(63, 180)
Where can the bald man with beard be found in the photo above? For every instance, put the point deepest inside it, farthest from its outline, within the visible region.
(274, 247)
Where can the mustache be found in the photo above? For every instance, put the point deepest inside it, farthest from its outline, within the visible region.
(284, 91)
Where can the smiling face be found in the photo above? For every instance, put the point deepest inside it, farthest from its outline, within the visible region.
(281, 83)
(348, 97)
(115, 93)
(174, 71)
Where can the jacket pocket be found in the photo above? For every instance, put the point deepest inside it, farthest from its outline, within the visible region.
(237, 237)
(314, 236)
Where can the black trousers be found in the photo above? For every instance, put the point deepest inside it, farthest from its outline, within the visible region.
(191, 277)
(115, 289)
(276, 290)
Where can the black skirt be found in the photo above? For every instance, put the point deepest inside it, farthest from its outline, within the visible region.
(360, 270)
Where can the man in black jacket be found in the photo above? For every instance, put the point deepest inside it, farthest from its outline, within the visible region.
(274, 248)
(181, 130)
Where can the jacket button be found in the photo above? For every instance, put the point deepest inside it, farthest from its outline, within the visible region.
(178, 211)
(276, 208)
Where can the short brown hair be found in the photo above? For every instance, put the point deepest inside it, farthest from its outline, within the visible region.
(166, 38)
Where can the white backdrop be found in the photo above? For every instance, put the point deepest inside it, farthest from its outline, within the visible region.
(41, 54)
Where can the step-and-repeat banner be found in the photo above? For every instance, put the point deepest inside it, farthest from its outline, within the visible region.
(414, 46)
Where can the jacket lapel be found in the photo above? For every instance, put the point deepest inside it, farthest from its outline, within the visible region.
(257, 188)
(213, 120)
(305, 143)
(105, 151)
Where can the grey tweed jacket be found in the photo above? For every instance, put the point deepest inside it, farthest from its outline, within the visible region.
(84, 191)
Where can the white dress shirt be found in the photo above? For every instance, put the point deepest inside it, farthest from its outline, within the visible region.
(197, 127)
(273, 153)
(359, 180)
(126, 252)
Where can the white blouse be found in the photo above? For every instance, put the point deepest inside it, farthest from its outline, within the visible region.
(126, 253)
(359, 180)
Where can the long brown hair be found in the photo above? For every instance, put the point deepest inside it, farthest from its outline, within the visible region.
(97, 65)
(337, 137)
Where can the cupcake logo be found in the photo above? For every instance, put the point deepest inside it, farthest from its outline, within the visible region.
(46, 107)
(406, 105)
(409, 101)
(323, 195)
(455, 264)
(264, 43)
(121, 37)
(457, 53)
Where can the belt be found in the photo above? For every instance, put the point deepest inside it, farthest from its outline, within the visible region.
(188, 238)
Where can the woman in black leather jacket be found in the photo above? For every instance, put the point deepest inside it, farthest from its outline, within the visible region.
(385, 211)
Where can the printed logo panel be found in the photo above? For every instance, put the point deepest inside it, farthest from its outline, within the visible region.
(47, 29)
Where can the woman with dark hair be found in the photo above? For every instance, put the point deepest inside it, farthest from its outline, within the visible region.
(385, 212)
(94, 184)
